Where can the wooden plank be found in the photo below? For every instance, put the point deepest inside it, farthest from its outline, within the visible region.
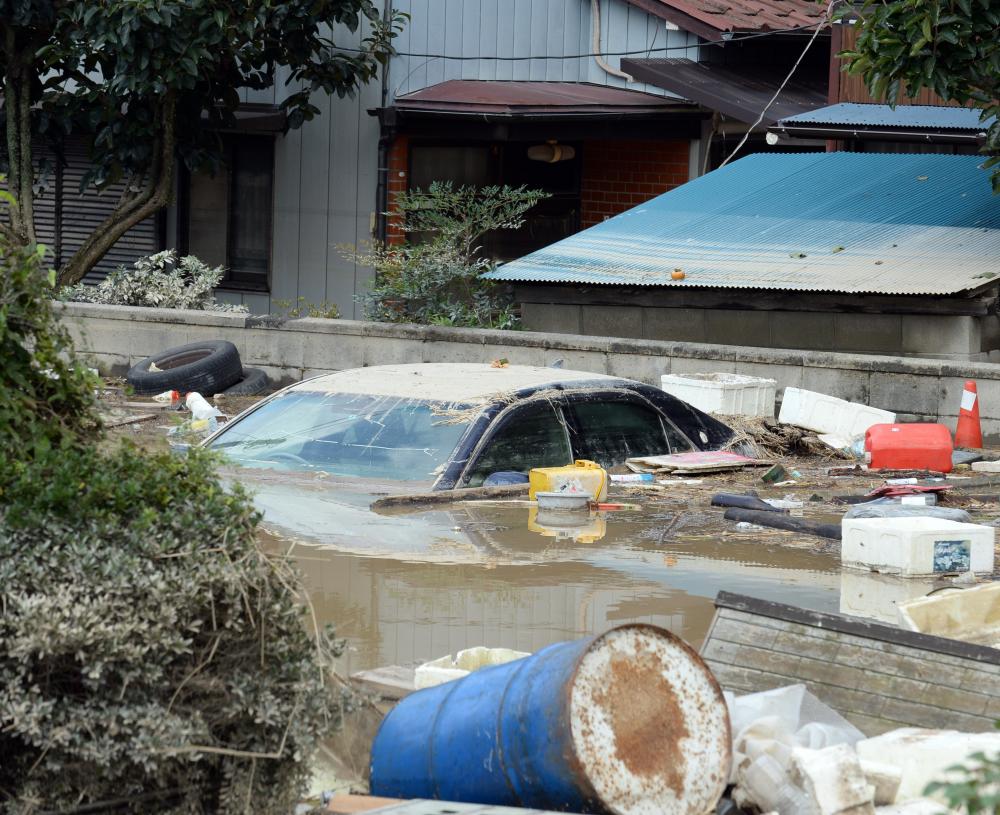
(454, 11)
(390, 682)
(653, 297)
(314, 199)
(130, 420)
(285, 224)
(575, 40)
(352, 804)
(858, 627)
(521, 39)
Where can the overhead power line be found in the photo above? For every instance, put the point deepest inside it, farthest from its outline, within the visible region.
(591, 55)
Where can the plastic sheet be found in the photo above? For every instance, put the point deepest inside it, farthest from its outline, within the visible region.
(768, 727)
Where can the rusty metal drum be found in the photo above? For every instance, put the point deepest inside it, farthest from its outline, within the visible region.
(629, 722)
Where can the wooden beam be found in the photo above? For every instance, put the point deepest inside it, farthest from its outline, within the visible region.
(755, 300)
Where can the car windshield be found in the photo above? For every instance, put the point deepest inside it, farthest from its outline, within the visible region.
(347, 434)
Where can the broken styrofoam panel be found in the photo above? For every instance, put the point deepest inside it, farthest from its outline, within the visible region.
(447, 668)
(833, 780)
(971, 615)
(884, 780)
(986, 466)
(919, 806)
(923, 756)
(828, 414)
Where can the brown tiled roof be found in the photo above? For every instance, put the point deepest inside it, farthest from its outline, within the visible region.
(712, 18)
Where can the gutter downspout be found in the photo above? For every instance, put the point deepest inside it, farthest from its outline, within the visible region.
(595, 43)
(386, 137)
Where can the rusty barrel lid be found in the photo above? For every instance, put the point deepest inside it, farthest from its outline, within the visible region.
(650, 727)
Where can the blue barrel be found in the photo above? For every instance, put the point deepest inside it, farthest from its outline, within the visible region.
(628, 721)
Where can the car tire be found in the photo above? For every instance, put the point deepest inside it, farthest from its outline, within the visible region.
(206, 367)
(254, 381)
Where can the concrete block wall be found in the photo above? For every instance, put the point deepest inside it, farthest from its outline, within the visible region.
(116, 337)
(934, 336)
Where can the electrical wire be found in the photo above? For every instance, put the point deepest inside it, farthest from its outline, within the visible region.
(642, 51)
(781, 87)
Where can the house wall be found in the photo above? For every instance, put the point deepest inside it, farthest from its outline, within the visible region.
(523, 28)
(618, 175)
(918, 389)
(326, 172)
(932, 336)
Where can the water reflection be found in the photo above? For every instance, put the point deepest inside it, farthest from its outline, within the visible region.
(528, 589)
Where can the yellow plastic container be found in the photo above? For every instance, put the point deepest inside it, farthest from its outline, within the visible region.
(580, 476)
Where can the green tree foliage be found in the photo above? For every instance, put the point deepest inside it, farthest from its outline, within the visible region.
(949, 46)
(149, 82)
(436, 277)
(46, 395)
(150, 652)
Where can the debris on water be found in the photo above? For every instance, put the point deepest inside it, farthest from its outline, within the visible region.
(775, 474)
(696, 463)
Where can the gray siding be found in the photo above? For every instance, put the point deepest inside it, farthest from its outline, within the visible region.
(326, 172)
(524, 28)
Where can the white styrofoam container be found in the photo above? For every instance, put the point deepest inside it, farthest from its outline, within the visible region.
(828, 414)
(916, 547)
(723, 393)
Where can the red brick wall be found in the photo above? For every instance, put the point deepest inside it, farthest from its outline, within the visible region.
(399, 168)
(618, 175)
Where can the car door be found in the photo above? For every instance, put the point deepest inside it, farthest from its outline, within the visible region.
(610, 427)
(532, 434)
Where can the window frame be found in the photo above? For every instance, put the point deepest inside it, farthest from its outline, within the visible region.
(228, 283)
(610, 395)
(504, 419)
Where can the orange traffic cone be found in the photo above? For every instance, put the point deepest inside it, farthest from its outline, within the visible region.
(969, 432)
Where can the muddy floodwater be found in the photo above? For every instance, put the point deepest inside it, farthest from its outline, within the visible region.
(531, 584)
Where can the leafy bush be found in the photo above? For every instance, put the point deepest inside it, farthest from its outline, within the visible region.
(150, 652)
(436, 278)
(973, 788)
(430, 283)
(306, 308)
(157, 281)
(147, 645)
(46, 395)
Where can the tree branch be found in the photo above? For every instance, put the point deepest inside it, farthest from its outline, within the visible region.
(153, 198)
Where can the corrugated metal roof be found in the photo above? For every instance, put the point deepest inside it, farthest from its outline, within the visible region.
(935, 117)
(837, 222)
(501, 97)
(734, 92)
(737, 15)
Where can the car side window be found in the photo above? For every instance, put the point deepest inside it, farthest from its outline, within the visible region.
(531, 436)
(613, 430)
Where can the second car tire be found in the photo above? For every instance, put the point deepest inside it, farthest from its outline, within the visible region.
(206, 367)
(254, 381)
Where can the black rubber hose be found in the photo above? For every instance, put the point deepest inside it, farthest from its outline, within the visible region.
(776, 521)
(726, 499)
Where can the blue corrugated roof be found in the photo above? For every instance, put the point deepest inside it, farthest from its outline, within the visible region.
(930, 117)
(839, 222)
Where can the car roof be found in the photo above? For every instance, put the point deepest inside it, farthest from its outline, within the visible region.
(461, 382)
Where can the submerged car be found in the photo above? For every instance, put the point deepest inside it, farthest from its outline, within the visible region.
(442, 426)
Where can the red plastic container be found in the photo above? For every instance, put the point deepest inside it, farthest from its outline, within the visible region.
(909, 447)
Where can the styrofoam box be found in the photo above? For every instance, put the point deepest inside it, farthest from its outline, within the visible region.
(722, 393)
(916, 547)
(828, 414)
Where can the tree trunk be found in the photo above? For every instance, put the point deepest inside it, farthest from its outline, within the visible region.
(21, 173)
(153, 197)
